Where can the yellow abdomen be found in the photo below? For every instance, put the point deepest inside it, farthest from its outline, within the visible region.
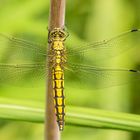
(58, 94)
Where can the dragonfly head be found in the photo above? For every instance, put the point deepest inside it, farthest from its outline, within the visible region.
(57, 34)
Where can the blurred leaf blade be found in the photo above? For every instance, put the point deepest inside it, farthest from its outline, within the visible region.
(103, 119)
(76, 116)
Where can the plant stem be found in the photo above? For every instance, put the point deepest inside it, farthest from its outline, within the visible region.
(57, 14)
(56, 20)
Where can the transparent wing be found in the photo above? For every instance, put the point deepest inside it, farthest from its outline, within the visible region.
(21, 61)
(26, 50)
(22, 74)
(19, 49)
(84, 62)
(107, 48)
(98, 77)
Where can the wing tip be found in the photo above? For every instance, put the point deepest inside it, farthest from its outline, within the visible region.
(132, 70)
(134, 30)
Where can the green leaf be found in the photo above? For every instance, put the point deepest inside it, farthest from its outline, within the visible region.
(76, 116)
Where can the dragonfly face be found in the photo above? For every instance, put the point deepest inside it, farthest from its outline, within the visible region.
(57, 35)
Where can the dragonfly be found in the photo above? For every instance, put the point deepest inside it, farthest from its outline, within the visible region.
(24, 61)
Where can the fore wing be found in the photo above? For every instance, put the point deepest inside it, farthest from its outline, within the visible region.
(15, 48)
(107, 48)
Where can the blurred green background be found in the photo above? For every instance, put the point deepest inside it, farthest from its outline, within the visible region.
(90, 20)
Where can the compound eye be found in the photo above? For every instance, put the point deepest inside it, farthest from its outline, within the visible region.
(53, 34)
(61, 34)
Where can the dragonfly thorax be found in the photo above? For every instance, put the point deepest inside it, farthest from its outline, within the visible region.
(58, 45)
